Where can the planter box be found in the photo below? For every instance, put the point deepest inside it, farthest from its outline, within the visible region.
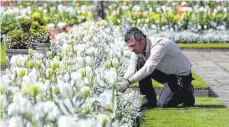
(11, 52)
(42, 47)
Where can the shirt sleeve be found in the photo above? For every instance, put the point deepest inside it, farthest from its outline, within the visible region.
(157, 53)
(132, 67)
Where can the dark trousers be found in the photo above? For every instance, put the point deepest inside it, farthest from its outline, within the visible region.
(179, 90)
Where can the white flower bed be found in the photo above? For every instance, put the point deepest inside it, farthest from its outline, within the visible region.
(74, 85)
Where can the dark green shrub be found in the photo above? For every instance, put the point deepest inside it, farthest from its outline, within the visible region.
(25, 24)
(16, 39)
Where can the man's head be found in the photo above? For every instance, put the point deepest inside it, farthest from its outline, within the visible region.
(136, 40)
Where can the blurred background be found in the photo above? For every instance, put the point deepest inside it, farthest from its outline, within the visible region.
(182, 21)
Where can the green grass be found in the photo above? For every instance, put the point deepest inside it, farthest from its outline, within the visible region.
(207, 112)
(3, 55)
(197, 82)
(204, 45)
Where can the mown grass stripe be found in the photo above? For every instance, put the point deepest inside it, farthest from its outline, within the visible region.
(3, 55)
(204, 45)
(207, 112)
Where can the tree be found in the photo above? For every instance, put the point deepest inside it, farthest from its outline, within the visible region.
(99, 12)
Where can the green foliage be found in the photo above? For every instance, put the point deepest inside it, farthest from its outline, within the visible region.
(35, 26)
(8, 23)
(31, 32)
(25, 24)
(15, 39)
(36, 16)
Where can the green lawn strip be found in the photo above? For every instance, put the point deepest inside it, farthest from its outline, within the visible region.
(3, 55)
(207, 112)
(198, 83)
(204, 45)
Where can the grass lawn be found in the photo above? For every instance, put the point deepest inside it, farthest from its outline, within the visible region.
(204, 45)
(197, 82)
(3, 55)
(207, 112)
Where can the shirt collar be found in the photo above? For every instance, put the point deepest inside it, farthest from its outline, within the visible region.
(147, 44)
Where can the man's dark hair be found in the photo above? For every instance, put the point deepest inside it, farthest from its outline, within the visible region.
(134, 31)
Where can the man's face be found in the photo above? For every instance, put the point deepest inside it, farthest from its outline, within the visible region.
(136, 46)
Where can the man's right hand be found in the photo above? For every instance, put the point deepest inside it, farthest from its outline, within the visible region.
(123, 85)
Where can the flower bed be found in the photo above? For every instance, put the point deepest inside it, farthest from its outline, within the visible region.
(171, 15)
(183, 22)
(74, 84)
(51, 12)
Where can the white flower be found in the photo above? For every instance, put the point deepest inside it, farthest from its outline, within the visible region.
(51, 25)
(84, 91)
(3, 123)
(103, 120)
(88, 60)
(6, 80)
(89, 122)
(45, 11)
(105, 99)
(3, 102)
(43, 87)
(31, 77)
(66, 77)
(61, 25)
(65, 89)
(21, 72)
(115, 62)
(49, 108)
(89, 72)
(80, 60)
(77, 77)
(158, 9)
(49, 72)
(225, 10)
(66, 121)
(86, 80)
(136, 8)
(13, 109)
(16, 122)
(40, 8)
(18, 60)
(25, 106)
(111, 76)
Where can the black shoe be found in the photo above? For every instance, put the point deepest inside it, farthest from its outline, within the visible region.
(189, 99)
(149, 105)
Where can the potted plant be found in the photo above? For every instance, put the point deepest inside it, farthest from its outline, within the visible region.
(31, 35)
(39, 33)
(17, 42)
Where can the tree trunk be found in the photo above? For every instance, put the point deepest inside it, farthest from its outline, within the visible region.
(99, 12)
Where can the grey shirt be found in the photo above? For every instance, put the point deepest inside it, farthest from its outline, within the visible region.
(162, 54)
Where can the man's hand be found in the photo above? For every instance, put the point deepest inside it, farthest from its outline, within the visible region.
(123, 85)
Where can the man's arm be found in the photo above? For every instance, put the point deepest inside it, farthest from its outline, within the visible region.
(132, 66)
(157, 53)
